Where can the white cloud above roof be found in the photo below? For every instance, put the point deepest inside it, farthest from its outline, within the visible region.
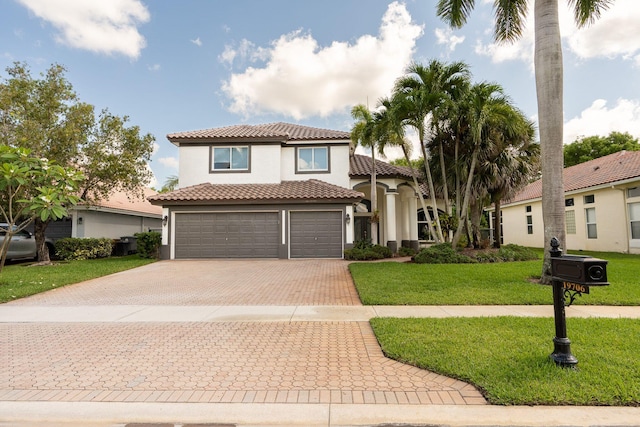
(600, 120)
(301, 79)
(108, 27)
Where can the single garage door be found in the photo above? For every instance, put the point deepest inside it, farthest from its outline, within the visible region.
(227, 235)
(316, 234)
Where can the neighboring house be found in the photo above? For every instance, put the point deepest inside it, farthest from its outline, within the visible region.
(602, 207)
(278, 190)
(119, 216)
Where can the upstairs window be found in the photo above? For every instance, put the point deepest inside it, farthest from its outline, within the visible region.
(589, 199)
(568, 202)
(633, 192)
(313, 159)
(230, 159)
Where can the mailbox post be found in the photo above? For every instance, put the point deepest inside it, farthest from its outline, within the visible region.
(571, 275)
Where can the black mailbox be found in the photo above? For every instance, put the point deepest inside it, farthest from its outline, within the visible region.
(582, 270)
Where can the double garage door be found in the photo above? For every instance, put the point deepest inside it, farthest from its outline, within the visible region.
(313, 234)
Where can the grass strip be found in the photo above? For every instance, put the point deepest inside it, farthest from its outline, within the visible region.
(393, 283)
(507, 358)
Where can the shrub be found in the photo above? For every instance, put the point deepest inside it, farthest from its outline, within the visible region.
(513, 252)
(506, 253)
(72, 248)
(441, 253)
(149, 244)
(368, 253)
(403, 251)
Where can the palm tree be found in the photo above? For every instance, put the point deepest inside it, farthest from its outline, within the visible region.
(423, 96)
(390, 132)
(486, 109)
(510, 20)
(363, 134)
(170, 184)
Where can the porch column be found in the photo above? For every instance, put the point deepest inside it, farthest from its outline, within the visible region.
(413, 223)
(406, 221)
(390, 220)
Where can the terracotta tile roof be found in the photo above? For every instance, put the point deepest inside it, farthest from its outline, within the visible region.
(360, 166)
(293, 191)
(282, 132)
(121, 201)
(604, 170)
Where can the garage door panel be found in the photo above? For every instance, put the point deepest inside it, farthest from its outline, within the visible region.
(316, 234)
(227, 235)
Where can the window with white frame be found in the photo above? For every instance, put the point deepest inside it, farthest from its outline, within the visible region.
(230, 159)
(633, 192)
(592, 230)
(313, 159)
(634, 217)
(589, 199)
(529, 224)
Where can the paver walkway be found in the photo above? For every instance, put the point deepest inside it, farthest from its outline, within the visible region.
(233, 361)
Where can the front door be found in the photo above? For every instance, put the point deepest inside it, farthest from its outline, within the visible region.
(361, 228)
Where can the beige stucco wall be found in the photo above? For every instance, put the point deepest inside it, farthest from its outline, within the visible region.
(111, 225)
(612, 222)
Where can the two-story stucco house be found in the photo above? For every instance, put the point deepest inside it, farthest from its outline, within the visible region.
(279, 190)
(602, 207)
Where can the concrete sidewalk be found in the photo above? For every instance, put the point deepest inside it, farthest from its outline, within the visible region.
(67, 408)
(286, 313)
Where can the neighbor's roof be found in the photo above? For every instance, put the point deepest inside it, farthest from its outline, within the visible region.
(276, 132)
(119, 200)
(293, 191)
(609, 169)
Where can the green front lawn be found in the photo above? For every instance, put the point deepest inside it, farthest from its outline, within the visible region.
(507, 358)
(22, 280)
(392, 283)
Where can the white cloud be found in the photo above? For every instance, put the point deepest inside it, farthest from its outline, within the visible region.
(613, 35)
(98, 26)
(154, 67)
(244, 51)
(170, 162)
(446, 37)
(196, 41)
(624, 116)
(302, 79)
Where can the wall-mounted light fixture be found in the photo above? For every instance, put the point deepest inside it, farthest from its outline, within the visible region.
(165, 219)
(347, 218)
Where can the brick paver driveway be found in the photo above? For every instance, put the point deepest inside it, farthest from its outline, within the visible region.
(242, 361)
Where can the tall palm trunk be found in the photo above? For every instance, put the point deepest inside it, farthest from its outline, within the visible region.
(423, 205)
(374, 199)
(549, 88)
(463, 214)
(432, 193)
(497, 231)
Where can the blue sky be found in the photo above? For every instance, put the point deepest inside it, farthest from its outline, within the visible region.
(173, 65)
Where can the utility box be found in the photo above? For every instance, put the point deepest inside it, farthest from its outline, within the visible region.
(581, 270)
